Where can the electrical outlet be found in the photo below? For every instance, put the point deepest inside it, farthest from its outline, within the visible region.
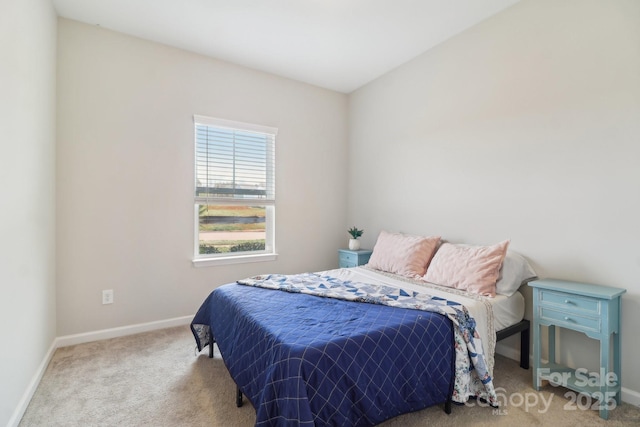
(107, 296)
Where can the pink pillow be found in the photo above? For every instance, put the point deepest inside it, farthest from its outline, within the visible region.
(474, 269)
(403, 254)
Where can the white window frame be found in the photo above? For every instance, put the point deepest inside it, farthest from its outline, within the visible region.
(269, 253)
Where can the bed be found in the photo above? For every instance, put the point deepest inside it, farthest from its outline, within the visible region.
(358, 346)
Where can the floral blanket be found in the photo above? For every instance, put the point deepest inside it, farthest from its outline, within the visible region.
(472, 377)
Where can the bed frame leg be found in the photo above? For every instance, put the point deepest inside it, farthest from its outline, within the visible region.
(447, 406)
(524, 348)
(523, 327)
(238, 397)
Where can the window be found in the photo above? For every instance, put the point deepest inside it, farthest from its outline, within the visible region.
(234, 191)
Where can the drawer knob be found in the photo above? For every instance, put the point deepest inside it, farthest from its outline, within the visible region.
(566, 318)
(567, 301)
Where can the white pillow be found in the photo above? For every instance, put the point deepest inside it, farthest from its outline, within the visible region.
(514, 273)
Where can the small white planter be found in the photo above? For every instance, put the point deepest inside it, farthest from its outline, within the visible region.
(354, 244)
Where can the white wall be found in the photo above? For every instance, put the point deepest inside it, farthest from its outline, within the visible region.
(525, 127)
(27, 194)
(125, 174)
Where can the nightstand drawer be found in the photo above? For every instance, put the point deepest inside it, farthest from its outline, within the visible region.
(569, 303)
(570, 320)
(349, 258)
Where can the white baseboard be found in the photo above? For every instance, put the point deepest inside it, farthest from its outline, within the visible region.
(629, 396)
(68, 340)
(508, 351)
(122, 331)
(31, 388)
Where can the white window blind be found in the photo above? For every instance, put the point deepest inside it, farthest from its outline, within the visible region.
(234, 162)
(234, 192)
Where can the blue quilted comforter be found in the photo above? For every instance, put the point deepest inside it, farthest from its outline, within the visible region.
(306, 360)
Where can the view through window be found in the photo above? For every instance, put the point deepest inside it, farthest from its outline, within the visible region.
(235, 188)
(224, 229)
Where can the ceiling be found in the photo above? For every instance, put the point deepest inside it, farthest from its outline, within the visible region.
(335, 44)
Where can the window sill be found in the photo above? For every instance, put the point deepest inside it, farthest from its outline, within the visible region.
(241, 259)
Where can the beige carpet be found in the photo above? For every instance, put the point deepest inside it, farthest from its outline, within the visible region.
(156, 379)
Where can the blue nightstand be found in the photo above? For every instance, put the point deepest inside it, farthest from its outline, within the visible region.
(591, 309)
(348, 258)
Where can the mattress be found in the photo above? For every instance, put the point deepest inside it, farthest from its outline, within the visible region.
(507, 311)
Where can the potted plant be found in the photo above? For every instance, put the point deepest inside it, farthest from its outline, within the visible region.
(354, 243)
